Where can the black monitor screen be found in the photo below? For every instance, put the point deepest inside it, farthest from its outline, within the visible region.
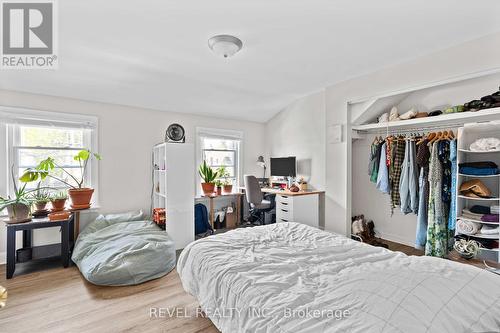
(283, 166)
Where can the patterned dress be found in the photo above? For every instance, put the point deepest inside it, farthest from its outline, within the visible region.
(452, 216)
(395, 171)
(437, 228)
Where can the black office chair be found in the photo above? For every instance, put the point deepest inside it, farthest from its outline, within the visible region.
(259, 206)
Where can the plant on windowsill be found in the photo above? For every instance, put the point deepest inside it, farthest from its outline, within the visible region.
(218, 186)
(227, 187)
(80, 195)
(209, 176)
(58, 201)
(41, 197)
(19, 207)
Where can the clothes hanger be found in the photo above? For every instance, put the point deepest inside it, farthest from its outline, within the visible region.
(452, 135)
(435, 138)
(422, 138)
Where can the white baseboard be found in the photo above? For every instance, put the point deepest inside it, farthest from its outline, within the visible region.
(3, 258)
(394, 238)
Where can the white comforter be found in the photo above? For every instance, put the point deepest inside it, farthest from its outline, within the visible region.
(290, 277)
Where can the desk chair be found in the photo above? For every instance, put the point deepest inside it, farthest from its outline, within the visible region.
(255, 198)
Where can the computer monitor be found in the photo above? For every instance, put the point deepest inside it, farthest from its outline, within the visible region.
(283, 166)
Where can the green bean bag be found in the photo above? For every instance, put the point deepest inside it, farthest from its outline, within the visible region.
(123, 249)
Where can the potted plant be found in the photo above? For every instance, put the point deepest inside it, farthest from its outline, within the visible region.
(58, 201)
(41, 197)
(80, 195)
(218, 186)
(227, 187)
(19, 207)
(209, 176)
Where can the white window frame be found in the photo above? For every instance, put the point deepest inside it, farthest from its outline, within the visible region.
(222, 134)
(11, 118)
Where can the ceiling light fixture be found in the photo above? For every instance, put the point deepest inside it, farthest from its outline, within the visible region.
(225, 45)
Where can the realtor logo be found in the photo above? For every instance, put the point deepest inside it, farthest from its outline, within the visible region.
(28, 34)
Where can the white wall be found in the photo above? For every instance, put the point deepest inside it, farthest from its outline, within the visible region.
(126, 136)
(299, 130)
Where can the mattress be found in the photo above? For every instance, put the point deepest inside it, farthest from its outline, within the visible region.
(290, 277)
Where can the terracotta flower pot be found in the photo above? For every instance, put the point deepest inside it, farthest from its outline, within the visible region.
(80, 197)
(58, 205)
(228, 188)
(208, 188)
(18, 213)
(219, 190)
(41, 206)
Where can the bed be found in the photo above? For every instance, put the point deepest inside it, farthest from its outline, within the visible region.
(289, 277)
(123, 249)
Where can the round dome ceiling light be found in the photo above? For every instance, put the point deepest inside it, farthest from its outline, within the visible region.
(225, 45)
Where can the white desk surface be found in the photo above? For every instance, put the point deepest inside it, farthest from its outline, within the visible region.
(286, 192)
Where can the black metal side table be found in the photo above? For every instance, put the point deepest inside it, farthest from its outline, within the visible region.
(31, 252)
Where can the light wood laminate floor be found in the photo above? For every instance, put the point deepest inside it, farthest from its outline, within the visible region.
(60, 300)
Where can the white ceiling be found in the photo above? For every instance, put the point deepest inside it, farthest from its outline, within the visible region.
(154, 54)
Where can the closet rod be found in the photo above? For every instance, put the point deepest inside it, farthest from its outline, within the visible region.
(386, 130)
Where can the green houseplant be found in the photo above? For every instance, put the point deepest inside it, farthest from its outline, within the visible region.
(218, 186)
(19, 207)
(41, 197)
(208, 175)
(80, 195)
(227, 187)
(58, 201)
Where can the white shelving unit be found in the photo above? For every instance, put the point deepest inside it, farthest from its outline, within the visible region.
(173, 189)
(467, 135)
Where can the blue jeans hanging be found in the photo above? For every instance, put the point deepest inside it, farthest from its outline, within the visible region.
(421, 237)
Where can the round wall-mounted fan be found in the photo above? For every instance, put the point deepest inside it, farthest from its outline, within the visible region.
(175, 133)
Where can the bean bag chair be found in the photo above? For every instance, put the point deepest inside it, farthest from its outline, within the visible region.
(123, 249)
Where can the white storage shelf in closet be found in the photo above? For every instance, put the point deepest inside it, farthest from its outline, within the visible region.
(466, 136)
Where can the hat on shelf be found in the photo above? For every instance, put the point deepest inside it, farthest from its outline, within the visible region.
(421, 115)
(475, 188)
(394, 115)
(455, 109)
(435, 113)
(383, 118)
(408, 114)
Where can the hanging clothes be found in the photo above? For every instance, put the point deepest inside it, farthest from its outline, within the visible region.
(452, 216)
(437, 235)
(383, 172)
(388, 151)
(444, 158)
(423, 155)
(378, 149)
(371, 161)
(395, 171)
(408, 185)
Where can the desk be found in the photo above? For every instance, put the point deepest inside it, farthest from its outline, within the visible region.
(304, 206)
(211, 206)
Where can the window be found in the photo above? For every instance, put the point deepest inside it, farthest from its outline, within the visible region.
(32, 136)
(31, 144)
(221, 148)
